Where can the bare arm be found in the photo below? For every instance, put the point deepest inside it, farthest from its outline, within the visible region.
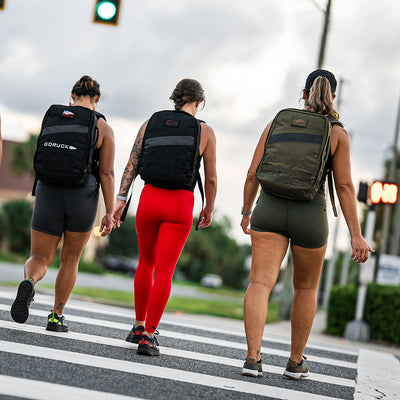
(210, 175)
(129, 174)
(251, 185)
(346, 193)
(106, 172)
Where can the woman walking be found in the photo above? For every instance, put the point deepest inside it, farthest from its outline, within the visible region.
(166, 154)
(64, 208)
(275, 222)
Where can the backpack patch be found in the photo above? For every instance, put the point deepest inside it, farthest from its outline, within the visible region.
(296, 153)
(65, 146)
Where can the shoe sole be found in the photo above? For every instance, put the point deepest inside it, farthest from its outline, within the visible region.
(147, 352)
(20, 307)
(295, 375)
(251, 372)
(134, 340)
(56, 329)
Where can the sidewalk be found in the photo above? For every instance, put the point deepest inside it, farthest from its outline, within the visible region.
(318, 335)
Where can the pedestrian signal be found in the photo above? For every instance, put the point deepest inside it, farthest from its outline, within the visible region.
(106, 11)
(363, 192)
(2, 4)
(383, 192)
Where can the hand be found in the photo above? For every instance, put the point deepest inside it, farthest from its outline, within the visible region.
(360, 250)
(107, 224)
(118, 210)
(245, 224)
(205, 218)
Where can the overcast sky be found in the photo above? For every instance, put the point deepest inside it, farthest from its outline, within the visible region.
(252, 58)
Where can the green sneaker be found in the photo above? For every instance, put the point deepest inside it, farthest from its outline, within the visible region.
(251, 367)
(296, 371)
(55, 323)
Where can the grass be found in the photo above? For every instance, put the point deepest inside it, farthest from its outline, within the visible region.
(175, 304)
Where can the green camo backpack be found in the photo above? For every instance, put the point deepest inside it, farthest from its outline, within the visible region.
(296, 154)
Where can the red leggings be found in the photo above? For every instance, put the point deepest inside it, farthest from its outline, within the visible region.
(163, 222)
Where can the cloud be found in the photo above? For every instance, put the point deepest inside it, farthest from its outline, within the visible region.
(252, 59)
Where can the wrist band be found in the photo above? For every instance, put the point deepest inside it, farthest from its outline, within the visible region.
(122, 198)
(245, 212)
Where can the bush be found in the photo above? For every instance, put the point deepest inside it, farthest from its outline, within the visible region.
(16, 222)
(341, 308)
(382, 311)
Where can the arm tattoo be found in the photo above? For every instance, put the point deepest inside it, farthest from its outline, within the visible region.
(131, 168)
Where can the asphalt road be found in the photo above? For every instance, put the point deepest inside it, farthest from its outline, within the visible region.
(201, 358)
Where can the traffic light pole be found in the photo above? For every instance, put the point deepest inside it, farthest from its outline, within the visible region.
(358, 329)
(387, 208)
(394, 246)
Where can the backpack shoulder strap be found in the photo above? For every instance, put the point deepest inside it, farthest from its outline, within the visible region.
(329, 172)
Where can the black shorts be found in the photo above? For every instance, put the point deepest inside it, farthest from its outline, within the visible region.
(305, 223)
(58, 209)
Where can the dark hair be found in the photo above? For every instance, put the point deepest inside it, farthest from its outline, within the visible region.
(86, 86)
(187, 91)
(320, 91)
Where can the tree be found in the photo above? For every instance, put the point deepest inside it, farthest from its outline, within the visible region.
(212, 250)
(22, 156)
(123, 241)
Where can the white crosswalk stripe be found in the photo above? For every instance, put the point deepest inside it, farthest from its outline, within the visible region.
(184, 367)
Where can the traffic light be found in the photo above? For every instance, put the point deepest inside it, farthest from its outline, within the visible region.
(106, 11)
(2, 2)
(363, 192)
(383, 192)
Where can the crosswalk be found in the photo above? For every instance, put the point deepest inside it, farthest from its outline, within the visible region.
(199, 360)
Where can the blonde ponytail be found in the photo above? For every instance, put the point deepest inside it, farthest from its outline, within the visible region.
(320, 98)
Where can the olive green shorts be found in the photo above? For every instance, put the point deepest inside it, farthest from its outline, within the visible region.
(305, 223)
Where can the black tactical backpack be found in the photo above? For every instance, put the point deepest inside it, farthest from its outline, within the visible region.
(296, 155)
(65, 146)
(170, 156)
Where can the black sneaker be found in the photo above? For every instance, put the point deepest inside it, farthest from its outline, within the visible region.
(296, 371)
(251, 367)
(148, 346)
(55, 323)
(20, 307)
(135, 334)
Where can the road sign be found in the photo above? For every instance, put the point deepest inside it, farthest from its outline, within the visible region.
(389, 270)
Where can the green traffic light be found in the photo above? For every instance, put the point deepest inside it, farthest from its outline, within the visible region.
(106, 10)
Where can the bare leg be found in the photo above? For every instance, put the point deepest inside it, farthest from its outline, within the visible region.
(71, 251)
(43, 249)
(307, 265)
(268, 251)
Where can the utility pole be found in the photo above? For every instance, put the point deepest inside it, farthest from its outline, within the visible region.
(358, 329)
(394, 246)
(387, 207)
(325, 30)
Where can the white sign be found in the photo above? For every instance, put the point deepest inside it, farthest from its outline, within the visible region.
(389, 270)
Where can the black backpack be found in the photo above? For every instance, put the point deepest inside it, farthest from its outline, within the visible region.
(170, 156)
(66, 144)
